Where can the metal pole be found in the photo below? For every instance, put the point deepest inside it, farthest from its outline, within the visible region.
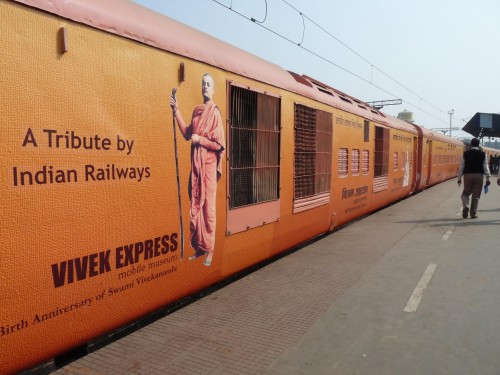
(451, 114)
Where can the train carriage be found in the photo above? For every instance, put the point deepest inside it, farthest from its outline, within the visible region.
(114, 208)
(439, 157)
(445, 156)
(489, 151)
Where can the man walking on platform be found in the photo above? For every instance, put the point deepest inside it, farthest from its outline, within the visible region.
(473, 167)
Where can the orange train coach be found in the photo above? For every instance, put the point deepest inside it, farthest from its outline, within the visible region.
(139, 167)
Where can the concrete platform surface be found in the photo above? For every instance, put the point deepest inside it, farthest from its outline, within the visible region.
(411, 289)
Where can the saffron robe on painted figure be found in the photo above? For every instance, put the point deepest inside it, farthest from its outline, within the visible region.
(206, 169)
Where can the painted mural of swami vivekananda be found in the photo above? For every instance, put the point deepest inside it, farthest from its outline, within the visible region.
(207, 149)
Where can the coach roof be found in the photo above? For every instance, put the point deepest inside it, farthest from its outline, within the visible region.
(133, 21)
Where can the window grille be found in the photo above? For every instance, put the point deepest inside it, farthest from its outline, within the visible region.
(365, 165)
(255, 147)
(313, 157)
(366, 133)
(343, 162)
(355, 162)
(396, 160)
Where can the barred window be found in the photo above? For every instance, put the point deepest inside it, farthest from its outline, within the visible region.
(396, 161)
(255, 147)
(365, 164)
(313, 157)
(343, 162)
(355, 162)
(366, 132)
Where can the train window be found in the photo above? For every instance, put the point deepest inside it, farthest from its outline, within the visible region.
(254, 158)
(396, 160)
(255, 141)
(410, 159)
(381, 160)
(365, 163)
(312, 158)
(366, 133)
(343, 162)
(355, 162)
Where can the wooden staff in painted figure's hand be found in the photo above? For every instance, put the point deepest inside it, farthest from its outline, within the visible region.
(181, 226)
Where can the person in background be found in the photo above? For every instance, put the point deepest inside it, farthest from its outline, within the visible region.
(473, 167)
(498, 169)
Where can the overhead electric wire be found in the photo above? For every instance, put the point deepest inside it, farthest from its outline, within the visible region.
(359, 55)
(260, 23)
(265, 17)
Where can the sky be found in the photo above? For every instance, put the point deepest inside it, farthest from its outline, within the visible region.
(435, 55)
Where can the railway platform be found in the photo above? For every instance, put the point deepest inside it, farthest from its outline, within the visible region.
(410, 289)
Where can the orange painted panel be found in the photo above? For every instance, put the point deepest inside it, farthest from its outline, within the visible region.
(90, 232)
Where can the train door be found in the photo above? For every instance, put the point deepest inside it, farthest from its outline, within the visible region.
(381, 159)
(413, 164)
(429, 163)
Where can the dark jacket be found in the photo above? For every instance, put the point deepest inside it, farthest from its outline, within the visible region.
(474, 161)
